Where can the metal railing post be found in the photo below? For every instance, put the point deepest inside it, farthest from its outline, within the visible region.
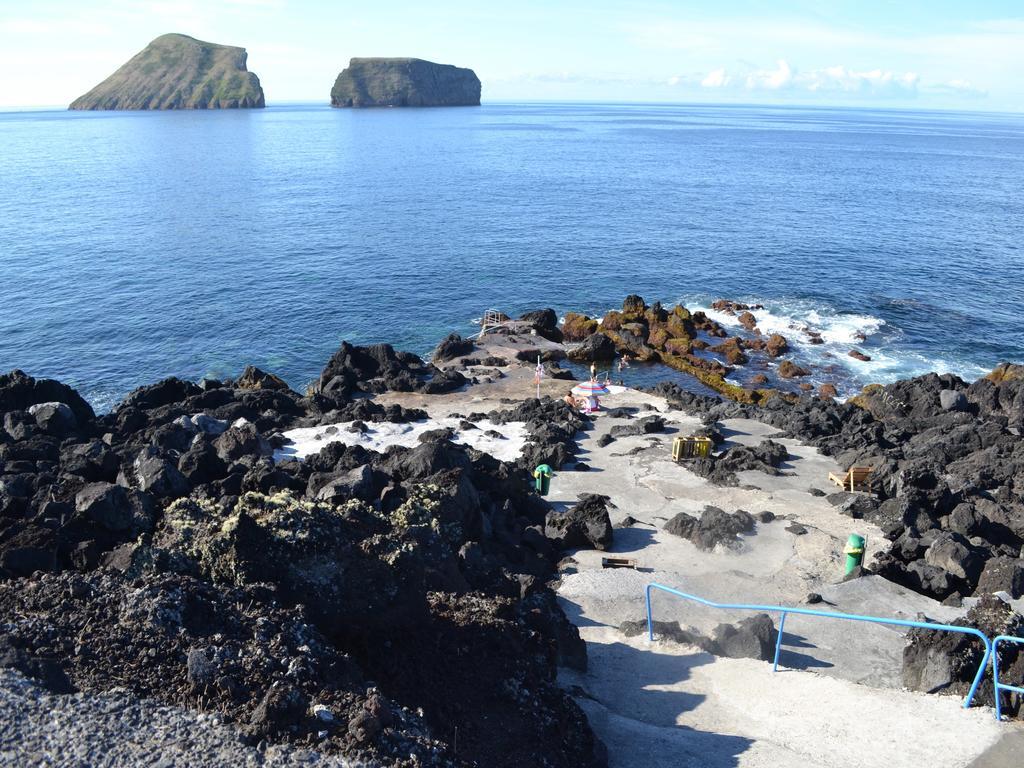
(650, 621)
(778, 641)
(998, 687)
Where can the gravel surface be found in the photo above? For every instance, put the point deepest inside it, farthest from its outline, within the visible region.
(115, 729)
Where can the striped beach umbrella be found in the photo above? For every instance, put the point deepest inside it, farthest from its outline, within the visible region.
(591, 388)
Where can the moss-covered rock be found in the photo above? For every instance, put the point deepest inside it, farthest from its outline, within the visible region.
(676, 346)
(178, 72)
(717, 382)
(577, 327)
(1006, 372)
(612, 321)
(404, 82)
(657, 336)
(634, 305)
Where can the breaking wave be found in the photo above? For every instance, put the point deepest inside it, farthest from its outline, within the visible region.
(892, 358)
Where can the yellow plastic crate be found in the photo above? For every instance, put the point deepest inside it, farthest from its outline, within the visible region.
(691, 448)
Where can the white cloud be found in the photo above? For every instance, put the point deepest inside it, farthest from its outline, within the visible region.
(875, 82)
(958, 87)
(717, 78)
(770, 79)
(836, 79)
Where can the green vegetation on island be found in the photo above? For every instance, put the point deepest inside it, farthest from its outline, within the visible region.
(178, 72)
(400, 82)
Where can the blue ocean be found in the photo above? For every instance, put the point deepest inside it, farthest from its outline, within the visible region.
(135, 246)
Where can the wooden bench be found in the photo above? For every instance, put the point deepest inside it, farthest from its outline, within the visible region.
(855, 479)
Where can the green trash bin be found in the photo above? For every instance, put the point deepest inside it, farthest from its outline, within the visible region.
(542, 478)
(854, 551)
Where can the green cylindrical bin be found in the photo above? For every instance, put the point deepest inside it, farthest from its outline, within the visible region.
(854, 551)
(542, 477)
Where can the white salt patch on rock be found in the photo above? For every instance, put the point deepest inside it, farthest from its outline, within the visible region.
(378, 436)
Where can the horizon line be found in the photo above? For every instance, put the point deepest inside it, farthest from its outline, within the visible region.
(15, 108)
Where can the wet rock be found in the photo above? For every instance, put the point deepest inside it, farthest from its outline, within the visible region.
(731, 350)
(452, 347)
(253, 378)
(595, 348)
(776, 345)
(544, 322)
(578, 327)
(856, 354)
(554, 371)
(789, 370)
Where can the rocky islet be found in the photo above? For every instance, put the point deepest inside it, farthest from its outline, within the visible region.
(178, 72)
(404, 82)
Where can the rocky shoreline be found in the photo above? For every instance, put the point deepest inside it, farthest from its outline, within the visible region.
(397, 606)
(382, 606)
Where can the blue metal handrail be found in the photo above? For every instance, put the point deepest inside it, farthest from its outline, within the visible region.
(995, 671)
(783, 611)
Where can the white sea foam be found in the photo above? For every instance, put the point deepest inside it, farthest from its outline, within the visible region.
(306, 441)
(841, 332)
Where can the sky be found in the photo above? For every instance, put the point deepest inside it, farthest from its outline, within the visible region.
(911, 54)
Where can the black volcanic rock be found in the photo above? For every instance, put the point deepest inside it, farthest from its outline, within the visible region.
(178, 72)
(399, 82)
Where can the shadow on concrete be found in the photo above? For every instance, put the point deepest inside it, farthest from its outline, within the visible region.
(632, 539)
(791, 659)
(574, 613)
(648, 668)
(638, 710)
